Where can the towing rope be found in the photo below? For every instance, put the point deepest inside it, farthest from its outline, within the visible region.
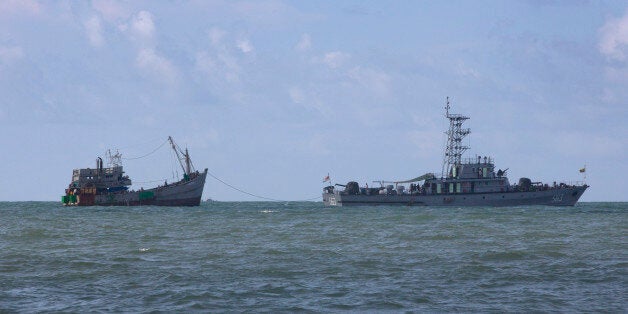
(152, 152)
(219, 180)
(258, 196)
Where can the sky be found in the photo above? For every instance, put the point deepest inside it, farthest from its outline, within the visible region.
(271, 95)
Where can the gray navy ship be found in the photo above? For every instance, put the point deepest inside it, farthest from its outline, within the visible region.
(463, 182)
(110, 187)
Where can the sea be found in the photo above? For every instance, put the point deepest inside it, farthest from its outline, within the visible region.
(304, 257)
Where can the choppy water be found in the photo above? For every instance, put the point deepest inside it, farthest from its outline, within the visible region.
(304, 257)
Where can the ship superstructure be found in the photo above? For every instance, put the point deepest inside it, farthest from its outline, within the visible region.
(109, 186)
(462, 182)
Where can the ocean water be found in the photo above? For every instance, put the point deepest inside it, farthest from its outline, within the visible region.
(304, 257)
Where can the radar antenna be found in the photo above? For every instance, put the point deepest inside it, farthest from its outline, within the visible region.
(454, 147)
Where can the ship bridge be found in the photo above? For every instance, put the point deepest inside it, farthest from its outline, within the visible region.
(100, 177)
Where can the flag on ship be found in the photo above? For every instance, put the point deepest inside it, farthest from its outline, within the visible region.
(326, 178)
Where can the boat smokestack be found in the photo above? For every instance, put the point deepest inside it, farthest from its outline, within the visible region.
(99, 164)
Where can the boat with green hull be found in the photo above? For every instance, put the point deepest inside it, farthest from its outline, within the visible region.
(110, 186)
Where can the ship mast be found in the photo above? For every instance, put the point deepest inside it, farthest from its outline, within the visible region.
(454, 147)
(187, 161)
(187, 169)
(114, 160)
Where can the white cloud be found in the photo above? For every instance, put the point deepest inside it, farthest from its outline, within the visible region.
(466, 71)
(9, 55)
(157, 66)
(221, 68)
(216, 35)
(335, 59)
(305, 43)
(220, 63)
(309, 100)
(296, 95)
(614, 38)
(231, 66)
(372, 80)
(142, 26)
(244, 45)
(111, 11)
(93, 28)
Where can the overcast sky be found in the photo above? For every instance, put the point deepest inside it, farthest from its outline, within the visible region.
(273, 95)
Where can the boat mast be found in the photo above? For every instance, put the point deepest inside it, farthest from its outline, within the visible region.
(187, 161)
(114, 160)
(186, 170)
(454, 147)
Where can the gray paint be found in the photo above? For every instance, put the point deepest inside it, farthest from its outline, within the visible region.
(567, 196)
(463, 182)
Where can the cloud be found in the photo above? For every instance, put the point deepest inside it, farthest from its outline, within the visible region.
(466, 71)
(304, 44)
(296, 95)
(142, 26)
(309, 100)
(220, 68)
(93, 28)
(335, 59)
(111, 11)
(216, 35)
(219, 62)
(372, 80)
(244, 45)
(614, 38)
(157, 66)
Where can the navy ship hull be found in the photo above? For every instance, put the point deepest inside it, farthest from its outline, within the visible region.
(565, 196)
(466, 181)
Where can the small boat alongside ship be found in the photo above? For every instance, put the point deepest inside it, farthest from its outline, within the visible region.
(110, 186)
(463, 182)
